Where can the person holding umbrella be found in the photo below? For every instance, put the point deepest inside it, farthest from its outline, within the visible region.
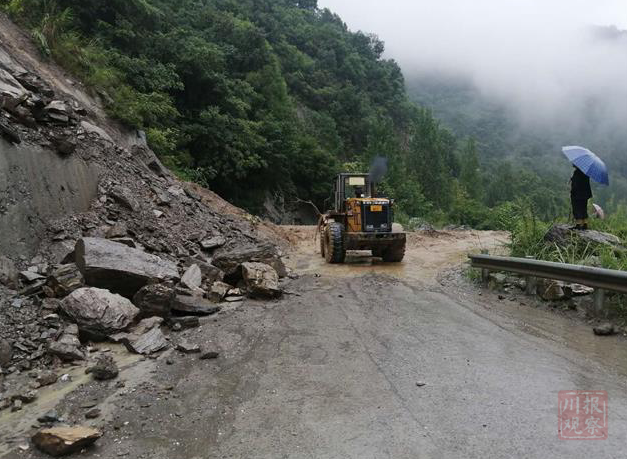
(580, 193)
(587, 165)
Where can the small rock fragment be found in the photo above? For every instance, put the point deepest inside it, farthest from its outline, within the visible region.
(60, 441)
(93, 413)
(187, 348)
(46, 378)
(50, 416)
(209, 355)
(192, 279)
(104, 369)
(605, 329)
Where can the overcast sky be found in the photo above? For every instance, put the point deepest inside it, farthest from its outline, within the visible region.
(534, 54)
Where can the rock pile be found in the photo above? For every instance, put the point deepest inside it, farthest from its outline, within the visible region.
(147, 256)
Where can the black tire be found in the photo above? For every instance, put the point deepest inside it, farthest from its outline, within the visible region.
(322, 244)
(395, 253)
(334, 238)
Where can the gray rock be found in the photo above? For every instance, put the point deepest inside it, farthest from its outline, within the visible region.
(261, 280)
(187, 348)
(99, 311)
(8, 273)
(46, 378)
(192, 278)
(92, 129)
(210, 273)
(119, 268)
(605, 329)
(124, 197)
(104, 369)
(230, 260)
(209, 355)
(551, 290)
(212, 243)
(48, 418)
(30, 276)
(496, 281)
(563, 235)
(147, 343)
(154, 300)
(61, 441)
(218, 291)
(234, 299)
(184, 322)
(6, 353)
(64, 279)
(119, 230)
(92, 413)
(193, 305)
(68, 346)
(10, 87)
(146, 325)
(572, 290)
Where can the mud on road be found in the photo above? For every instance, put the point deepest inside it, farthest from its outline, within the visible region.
(363, 360)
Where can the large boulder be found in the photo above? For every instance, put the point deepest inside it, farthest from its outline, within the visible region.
(261, 280)
(154, 300)
(564, 235)
(99, 311)
(119, 268)
(60, 441)
(230, 260)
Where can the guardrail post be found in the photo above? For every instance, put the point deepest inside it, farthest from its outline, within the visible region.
(599, 301)
(531, 282)
(485, 273)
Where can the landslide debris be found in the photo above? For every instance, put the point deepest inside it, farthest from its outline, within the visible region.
(148, 256)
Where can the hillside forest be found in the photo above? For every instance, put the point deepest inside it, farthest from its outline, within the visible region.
(267, 99)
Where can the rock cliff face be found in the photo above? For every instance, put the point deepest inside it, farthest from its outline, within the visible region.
(37, 185)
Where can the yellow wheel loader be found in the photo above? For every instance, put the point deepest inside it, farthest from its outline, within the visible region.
(359, 221)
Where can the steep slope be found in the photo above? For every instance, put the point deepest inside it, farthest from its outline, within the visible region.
(67, 174)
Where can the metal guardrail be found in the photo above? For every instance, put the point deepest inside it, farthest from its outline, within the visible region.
(606, 279)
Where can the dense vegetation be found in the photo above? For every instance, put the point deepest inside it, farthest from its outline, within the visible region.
(258, 98)
(268, 99)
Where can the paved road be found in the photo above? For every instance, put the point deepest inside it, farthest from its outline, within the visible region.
(333, 373)
(330, 376)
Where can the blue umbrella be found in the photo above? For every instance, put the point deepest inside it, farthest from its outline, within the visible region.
(588, 163)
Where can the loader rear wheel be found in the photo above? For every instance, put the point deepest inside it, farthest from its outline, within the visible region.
(322, 244)
(394, 253)
(334, 250)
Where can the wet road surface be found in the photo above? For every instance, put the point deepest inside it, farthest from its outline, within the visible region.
(331, 371)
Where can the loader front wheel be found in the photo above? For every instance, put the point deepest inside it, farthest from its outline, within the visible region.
(334, 247)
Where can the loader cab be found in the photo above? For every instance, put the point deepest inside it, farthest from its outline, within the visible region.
(352, 186)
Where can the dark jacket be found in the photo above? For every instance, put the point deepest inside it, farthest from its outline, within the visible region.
(580, 185)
